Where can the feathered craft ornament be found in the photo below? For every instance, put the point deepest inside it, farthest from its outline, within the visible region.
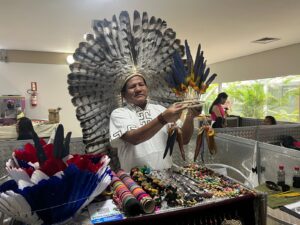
(48, 184)
(190, 79)
(116, 51)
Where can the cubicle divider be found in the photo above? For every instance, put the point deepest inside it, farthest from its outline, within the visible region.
(248, 161)
(246, 154)
(237, 121)
(263, 133)
(245, 122)
(270, 158)
(255, 158)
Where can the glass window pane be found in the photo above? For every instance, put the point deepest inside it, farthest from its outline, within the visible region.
(278, 97)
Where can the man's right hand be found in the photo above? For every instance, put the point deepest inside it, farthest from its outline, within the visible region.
(173, 113)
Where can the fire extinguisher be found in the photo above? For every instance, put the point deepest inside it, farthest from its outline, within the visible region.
(33, 94)
(33, 98)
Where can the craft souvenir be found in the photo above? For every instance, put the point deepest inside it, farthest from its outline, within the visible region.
(49, 185)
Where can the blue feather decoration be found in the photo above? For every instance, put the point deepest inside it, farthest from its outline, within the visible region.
(9, 185)
(59, 197)
(23, 164)
(189, 58)
(179, 73)
(197, 61)
(190, 74)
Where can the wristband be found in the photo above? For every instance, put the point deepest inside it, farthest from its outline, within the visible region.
(161, 119)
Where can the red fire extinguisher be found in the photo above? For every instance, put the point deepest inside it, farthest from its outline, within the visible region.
(33, 94)
(33, 98)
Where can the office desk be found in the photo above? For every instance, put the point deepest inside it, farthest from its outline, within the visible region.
(42, 130)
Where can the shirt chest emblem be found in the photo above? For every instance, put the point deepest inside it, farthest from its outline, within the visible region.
(144, 117)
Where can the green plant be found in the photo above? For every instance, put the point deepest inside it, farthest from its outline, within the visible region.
(278, 97)
(250, 97)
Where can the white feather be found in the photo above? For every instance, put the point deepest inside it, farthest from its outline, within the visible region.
(18, 174)
(37, 176)
(23, 184)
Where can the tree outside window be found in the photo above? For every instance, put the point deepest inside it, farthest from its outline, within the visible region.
(278, 97)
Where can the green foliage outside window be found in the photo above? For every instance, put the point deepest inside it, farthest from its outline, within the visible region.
(278, 97)
(209, 97)
(248, 99)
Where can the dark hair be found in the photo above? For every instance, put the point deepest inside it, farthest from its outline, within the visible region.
(25, 128)
(218, 100)
(272, 119)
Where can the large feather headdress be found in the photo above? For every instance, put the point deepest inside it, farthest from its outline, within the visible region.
(113, 52)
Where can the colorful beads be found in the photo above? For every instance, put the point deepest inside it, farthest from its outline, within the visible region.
(220, 186)
(146, 201)
(124, 197)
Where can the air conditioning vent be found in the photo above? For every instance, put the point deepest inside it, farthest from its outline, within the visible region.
(265, 40)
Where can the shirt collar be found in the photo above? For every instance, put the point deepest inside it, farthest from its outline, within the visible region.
(137, 108)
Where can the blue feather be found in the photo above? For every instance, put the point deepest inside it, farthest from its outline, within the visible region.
(9, 185)
(210, 79)
(188, 57)
(24, 164)
(179, 72)
(73, 188)
(197, 61)
(206, 73)
(177, 76)
(178, 64)
(199, 65)
(170, 80)
(201, 71)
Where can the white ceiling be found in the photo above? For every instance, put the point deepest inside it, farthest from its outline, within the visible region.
(225, 28)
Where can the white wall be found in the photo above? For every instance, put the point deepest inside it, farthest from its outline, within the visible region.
(52, 86)
(273, 63)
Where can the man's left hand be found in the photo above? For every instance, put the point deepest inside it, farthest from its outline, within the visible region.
(194, 112)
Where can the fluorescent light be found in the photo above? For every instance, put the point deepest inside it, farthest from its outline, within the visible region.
(70, 59)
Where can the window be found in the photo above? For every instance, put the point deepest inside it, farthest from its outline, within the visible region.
(278, 97)
(209, 96)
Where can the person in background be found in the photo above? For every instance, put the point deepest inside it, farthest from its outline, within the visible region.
(217, 111)
(24, 129)
(269, 120)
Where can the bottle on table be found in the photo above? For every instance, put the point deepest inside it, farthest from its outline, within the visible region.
(281, 175)
(296, 177)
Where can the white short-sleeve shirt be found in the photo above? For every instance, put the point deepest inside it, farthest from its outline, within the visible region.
(150, 152)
